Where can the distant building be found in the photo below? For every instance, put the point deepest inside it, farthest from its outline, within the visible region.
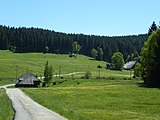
(27, 80)
(130, 65)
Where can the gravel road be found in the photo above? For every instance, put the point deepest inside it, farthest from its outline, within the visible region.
(27, 109)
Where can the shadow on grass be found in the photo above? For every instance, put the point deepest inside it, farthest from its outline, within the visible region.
(92, 59)
(146, 86)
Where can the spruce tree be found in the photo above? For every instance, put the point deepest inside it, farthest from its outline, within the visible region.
(152, 28)
(46, 73)
(50, 73)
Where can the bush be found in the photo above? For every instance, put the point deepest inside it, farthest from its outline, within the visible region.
(88, 75)
(137, 70)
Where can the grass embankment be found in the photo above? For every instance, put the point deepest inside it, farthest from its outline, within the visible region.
(100, 100)
(6, 111)
(16, 64)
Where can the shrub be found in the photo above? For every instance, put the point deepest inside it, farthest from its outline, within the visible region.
(88, 75)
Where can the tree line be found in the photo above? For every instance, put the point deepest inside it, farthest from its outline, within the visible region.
(24, 40)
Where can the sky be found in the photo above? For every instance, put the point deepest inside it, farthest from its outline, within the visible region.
(91, 17)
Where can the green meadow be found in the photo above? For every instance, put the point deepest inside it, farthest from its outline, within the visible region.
(15, 64)
(100, 100)
(113, 97)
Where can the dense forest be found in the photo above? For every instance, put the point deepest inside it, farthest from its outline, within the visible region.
(24, 40)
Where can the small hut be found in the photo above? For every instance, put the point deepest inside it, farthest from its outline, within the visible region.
(27, 80)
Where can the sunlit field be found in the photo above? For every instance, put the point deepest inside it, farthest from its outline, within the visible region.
(15, 64)
(100, 100)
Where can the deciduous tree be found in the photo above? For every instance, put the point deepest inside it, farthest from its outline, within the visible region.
(150, 60)
(94, 53)
(75, 48)
(117, 61)
(99, 53)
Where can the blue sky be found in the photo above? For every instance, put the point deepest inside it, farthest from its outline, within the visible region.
(98, 17)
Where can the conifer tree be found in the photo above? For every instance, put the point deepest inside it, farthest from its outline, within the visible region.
(50, 73)
(152, 28)
(46, 71)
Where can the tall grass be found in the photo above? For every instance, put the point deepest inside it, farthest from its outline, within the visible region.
(100, 100)
(6, 111)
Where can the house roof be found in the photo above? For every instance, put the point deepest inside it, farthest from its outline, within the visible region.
(130, 65)
(27, 78)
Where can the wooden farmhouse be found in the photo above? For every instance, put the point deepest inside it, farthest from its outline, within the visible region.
(27, 80)
(130, 65)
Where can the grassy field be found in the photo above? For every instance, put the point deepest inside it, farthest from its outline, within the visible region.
(5, 82)
(16, 64)
(6, 111)
(72, 98)
(100, 100)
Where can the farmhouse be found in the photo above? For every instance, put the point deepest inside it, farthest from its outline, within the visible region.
(130, 65)
(27, 80)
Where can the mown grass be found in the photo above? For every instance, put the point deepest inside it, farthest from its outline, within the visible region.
(16, 64)
(100, 100)
(6, 111)
(5, 82)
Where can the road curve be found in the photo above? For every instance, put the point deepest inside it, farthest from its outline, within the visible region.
(27, 109)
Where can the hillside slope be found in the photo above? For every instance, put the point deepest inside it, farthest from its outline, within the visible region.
(16, 64)
(24, 40)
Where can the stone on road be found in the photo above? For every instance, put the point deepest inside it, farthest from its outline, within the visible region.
(27, 109)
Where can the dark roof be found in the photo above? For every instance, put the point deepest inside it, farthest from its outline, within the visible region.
(130, 65)
(28, 79)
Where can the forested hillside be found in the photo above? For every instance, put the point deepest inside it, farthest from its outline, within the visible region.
(35, 40)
